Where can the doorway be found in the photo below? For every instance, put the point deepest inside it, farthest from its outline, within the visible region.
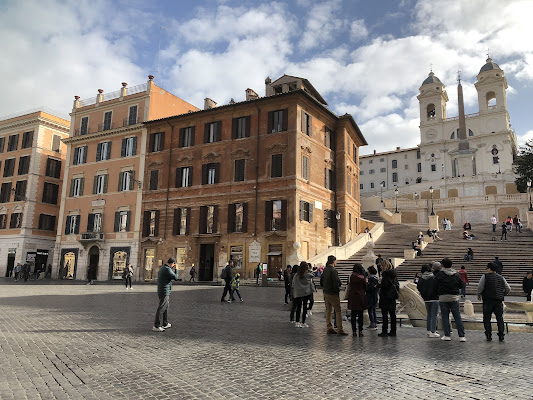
(274, 264)
(10, 264)
(94, 259)
(41, 259)
(207, 261)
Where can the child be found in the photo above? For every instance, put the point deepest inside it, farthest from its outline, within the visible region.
(464, 277)
(372, 297)
(235, 283)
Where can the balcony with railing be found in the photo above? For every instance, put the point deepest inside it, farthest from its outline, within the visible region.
(92, 237)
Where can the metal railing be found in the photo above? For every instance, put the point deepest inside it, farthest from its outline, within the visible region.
(102, 127)
(96, 236)
(114, 95)
(466, 116)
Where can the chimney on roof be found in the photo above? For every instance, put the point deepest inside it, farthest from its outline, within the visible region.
(151, 77)
(124, 89)
(251, 94)
(397, 147)
(149, 83)
(77, 103)
(209, 104)
(268, 81)
(100, 96)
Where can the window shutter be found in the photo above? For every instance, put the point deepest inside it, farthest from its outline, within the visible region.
(152, 142)
(109, 149)
(134, 146)
(84, 160)
(326, 178)
(188, 220)
(146, 224)
(77, 224)
(215, 219)
(120, 179)
(176, 222)
(268, 215)
(181, 138)
(154, 179)
(203, 219)
(204, 174)
(90, 222)
(123, 149)
(217, 172)
(41, 218)
(302, 208)
(283, 215)
(75, 160)
(55, 192)
(270, 121)
(219, 131)
(2, 144)
(206, 133)
(81, 186)
(132, 178)
(190, 176)
(302, 121)
(117, 221)
(193, 130)
(156, 233)
(128, 219)
(99, 152)
(231, 218)
(95, 184)
(248, 126)
(71, 193)
(45, 191)
(285, 119)
(245, 217)
(178, 177)
(106, 178)
(310, 212)
(67, 225)
(162, 141)
(234, 127)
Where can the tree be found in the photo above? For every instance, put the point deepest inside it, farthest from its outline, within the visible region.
(523, 166)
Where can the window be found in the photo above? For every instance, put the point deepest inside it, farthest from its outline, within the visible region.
(276, 167)
(3, 221)
(307, 123)
(361, 186)
(84, 125)
(186, 138)
(371, 171)
(418, 154)
(184, 177)
(277, 121)
(47, 222)
(129, 147)
(240, 127)
(212, 132)
(361, 172)
(100, 184)
(496, 160)
(305, 168)
(20, 191)
(56, 143)
(182, 221)
(329, 219)
(125, 180)
(154, 179)
(151, 223)
(276, 215)
(329, 138)
(395, 177)
(329, 179)
(208, 219)
(382, 184)
(122, 221)
(24, 165)
(371, 161)
(348, 145)
(354, 153)
(348, 184)
(72, 225)
(394, 163)
(433, 167)
(381, 160)
(5, 192)
(53, 168)
(406, 166)
(157, 141)
(108, 115)
(80, 155)
(27, 139)
(210, 173)
(371, 185)
(76, 187)
(103, 151)
(237, 217)
(16, 221)
(350, 221)
(239, 170)
(306, 211)
(470, 133)
(383, 170)
(50, 193)
(407, 181)
(13, 143)
(2, 144)
(132, 116)
(9, 167)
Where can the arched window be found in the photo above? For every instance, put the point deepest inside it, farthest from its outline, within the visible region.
(431, 111)
(382, 184)
(470, 133)
(371, 185)
(491, 100)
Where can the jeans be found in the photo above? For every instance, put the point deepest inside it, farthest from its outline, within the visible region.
(293, 309)
(299, 301)
(233, 291)
(311, 299)
(372, 315)
(227, 289)
(333, 301)
(162, 311)
(357, 320)
(504, 234)
(128, 279)
(496, 307)
(386, 312)
(287, 293)
(445, 308)
(432, 309)
(463, 290)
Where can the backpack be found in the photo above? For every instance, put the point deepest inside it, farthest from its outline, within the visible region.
(223, 274)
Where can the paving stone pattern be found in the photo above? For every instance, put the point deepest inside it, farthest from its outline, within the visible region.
(95, 342)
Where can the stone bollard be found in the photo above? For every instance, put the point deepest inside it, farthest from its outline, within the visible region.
(469, 308)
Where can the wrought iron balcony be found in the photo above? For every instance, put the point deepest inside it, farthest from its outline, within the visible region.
(92, 237)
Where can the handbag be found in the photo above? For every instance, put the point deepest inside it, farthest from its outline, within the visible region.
(347, 291)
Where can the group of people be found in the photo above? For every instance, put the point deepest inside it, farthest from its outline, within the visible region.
(25, 271)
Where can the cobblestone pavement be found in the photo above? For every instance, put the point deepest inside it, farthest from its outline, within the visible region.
(95, 342)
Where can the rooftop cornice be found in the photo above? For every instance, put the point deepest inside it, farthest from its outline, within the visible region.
(37, 120)
(110, 132)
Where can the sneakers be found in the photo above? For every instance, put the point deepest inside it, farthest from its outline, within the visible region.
(462, 339)
(360, 334)
(158, 329)
(298, 325)
(242, 300)
(304, 326)
(229, 301)
(309, 313)
(433, 335)
(446, 338)
(292, 321)
(168, 325)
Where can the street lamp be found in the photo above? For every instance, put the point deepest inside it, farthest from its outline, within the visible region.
(529, 190)
(396, 195)
(381, 190)
(431, 193)
(338, 218)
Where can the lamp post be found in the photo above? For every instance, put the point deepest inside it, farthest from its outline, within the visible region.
(431, 193)
(338, 217)
(381, 190)
(529, 190)
(396, 196)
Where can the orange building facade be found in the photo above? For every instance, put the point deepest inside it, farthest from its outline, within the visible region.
(98, 230)
(271, 180)
(32, 159)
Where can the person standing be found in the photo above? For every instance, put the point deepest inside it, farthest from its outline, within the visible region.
(372, 297)
(428, 290)
(493, 288)
(448, 283)
(388, 293)
(293, 301)
(493, 221)
(192, 272)
(26, 272)
(287, 281)
(527, 285)
(302, 289)
(127, 274)
(464, 276)
(357, 298)
(499, 265)
(331, 286)
(257, 273)
(235, 285)
(227, 275)
(504, 231)
(48, 274)
(165, 276)
(17, 271)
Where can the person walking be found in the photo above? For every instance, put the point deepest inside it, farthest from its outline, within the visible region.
(294, 270)
(505, 227)
(311, 298)
(48, 274)
(165, 276)
(493, 221)
(26, 272)
(499, 265)
(357, 298)
(287, 281)
(464, 276)
(302, 290)
(372, 297)
(257, 271)
(448, 283)
(493, 288)
(428, 290)
(527, 285)
(16, 270)
(509, 223)
(388, 293)
(227, 276)
(127, 275)
(235, 285)
(192, 273)
(331, 286)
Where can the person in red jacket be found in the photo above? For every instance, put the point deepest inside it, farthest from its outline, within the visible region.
(464, 277)
(357, 298)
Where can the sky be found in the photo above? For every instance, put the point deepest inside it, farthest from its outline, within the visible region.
(366, 58)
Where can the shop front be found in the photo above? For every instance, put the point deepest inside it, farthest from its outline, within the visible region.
(117, 261)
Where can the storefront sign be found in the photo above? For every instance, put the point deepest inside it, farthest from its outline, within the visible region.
(30, 257)
(255, 252)
(42, 252)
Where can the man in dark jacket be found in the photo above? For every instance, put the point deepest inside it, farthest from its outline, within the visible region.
(287, 281)
(227, 275)
(428, 290)
(166, 275)
(448, 283)
(492, 288)
(499, 265)
(527, 285)
(331, 286)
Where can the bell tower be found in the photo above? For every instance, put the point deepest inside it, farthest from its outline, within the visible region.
(491, 88)
(432, 100)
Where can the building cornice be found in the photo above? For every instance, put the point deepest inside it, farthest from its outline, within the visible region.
(38, 120)
(108, 133)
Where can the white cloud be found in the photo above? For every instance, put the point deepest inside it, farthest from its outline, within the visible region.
(379, 132)
(322, 24)
(522, 139)
(358, 30)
